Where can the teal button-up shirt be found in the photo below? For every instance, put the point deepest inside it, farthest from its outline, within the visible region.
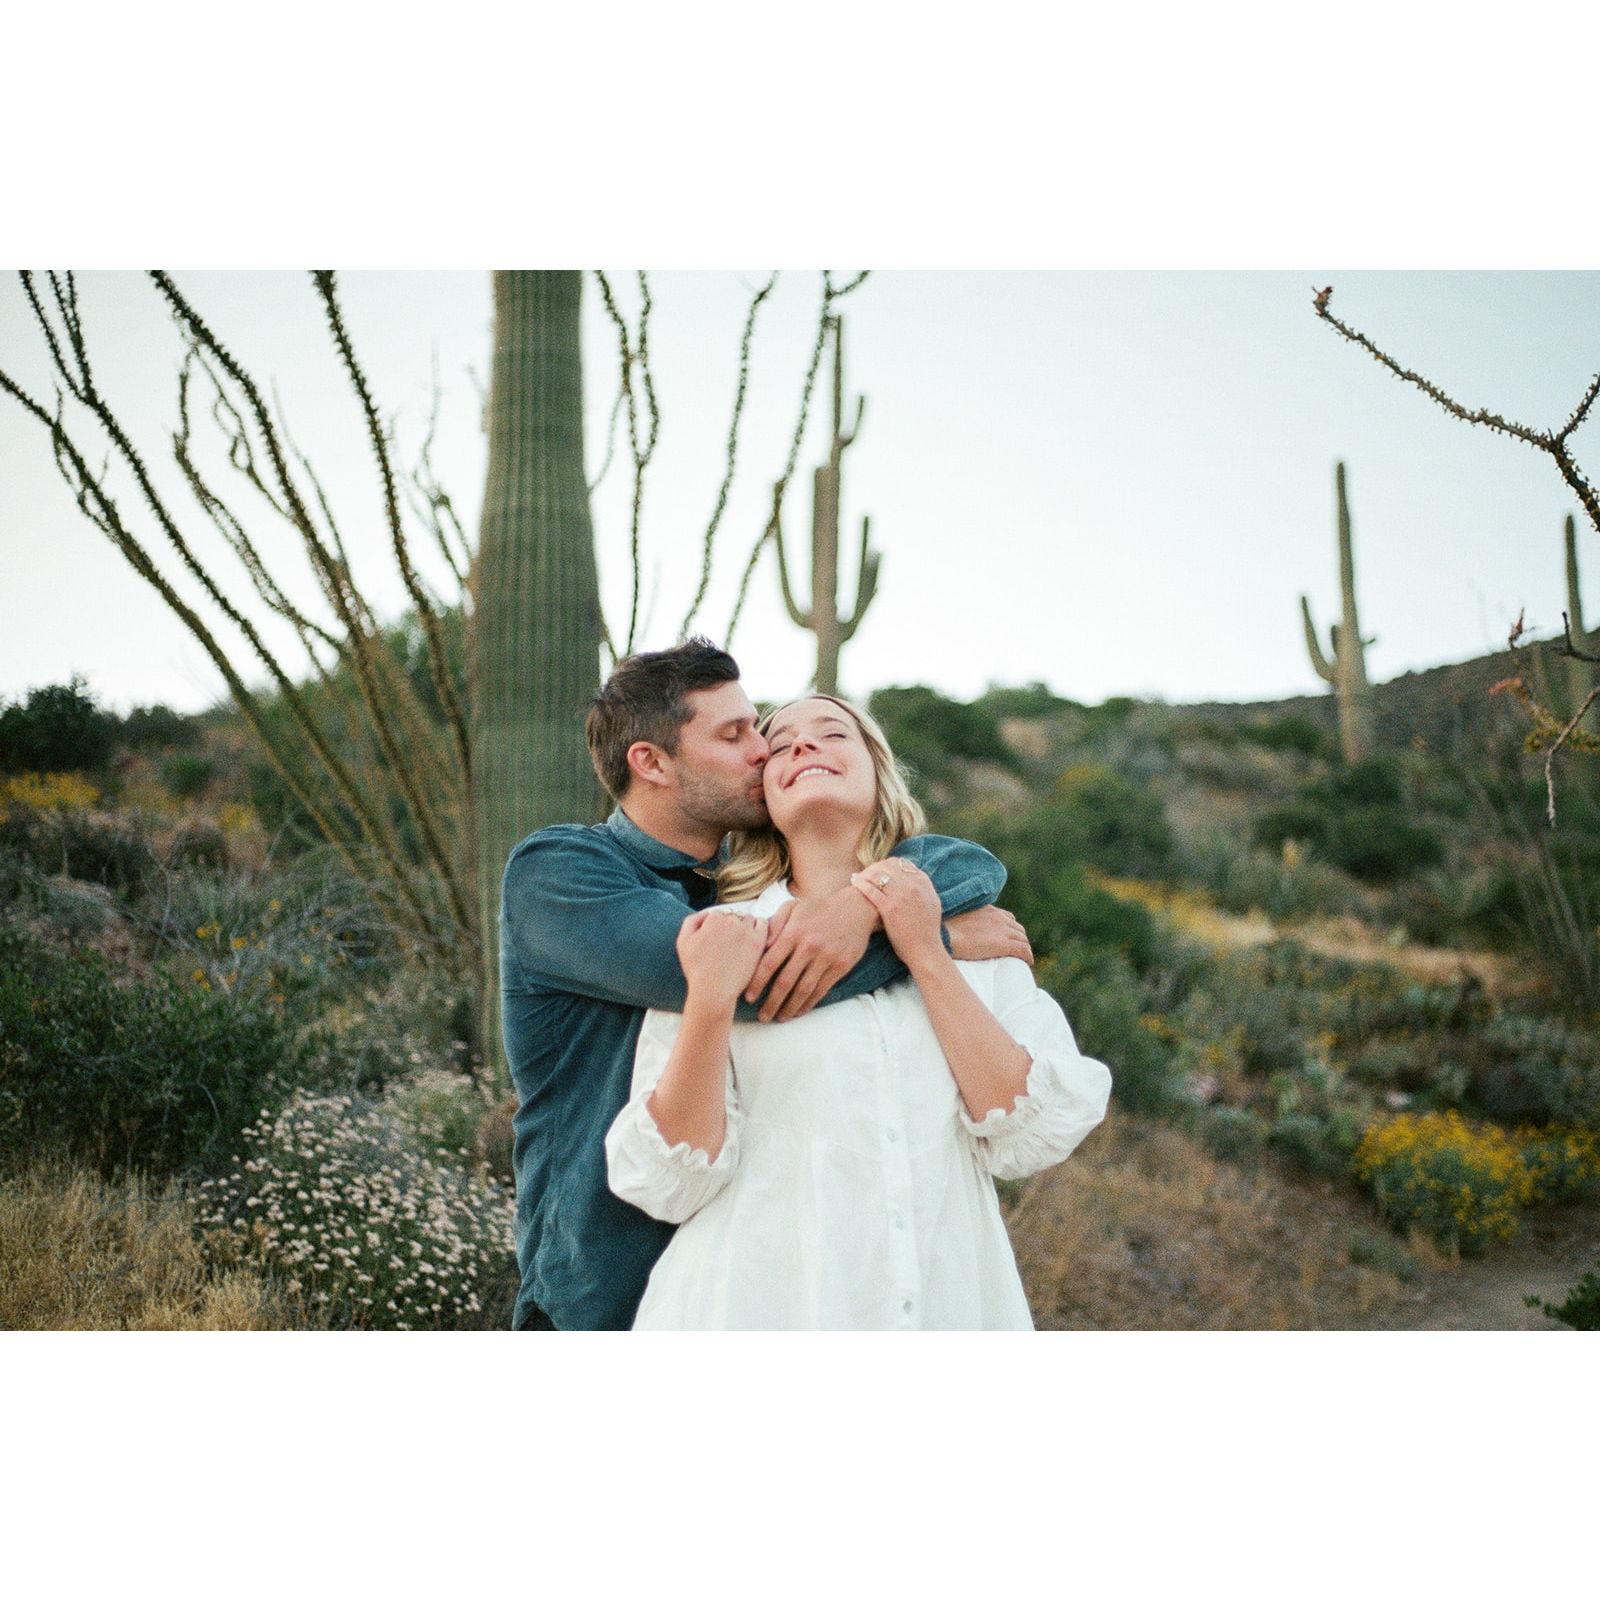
(589, 920)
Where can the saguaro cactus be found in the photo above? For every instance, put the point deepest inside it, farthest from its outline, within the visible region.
(822, 617)
(1563, 688)
(1347, 672)
(536, 628)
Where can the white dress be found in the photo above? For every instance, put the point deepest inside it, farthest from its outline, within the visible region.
(852, 1190)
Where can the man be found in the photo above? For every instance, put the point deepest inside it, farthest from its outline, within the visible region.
(589, 919)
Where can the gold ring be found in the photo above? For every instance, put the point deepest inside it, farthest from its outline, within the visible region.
(883, 881)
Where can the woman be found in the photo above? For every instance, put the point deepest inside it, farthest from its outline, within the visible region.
(837, 1171)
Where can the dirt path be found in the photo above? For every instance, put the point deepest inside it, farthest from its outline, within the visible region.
(1552, 1252)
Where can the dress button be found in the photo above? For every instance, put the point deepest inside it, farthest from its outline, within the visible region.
(906, 1307)
(899, 1221)
(890, 1135)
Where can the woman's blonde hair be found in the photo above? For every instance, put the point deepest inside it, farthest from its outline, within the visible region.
(759, 857)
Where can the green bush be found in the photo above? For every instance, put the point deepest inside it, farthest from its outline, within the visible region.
(84, 845)
(1101, 997)
(1374, 782)
(1581, 1308)
(1355, 820)
(1379, 845)
(1308, 1142)
(1537, 1069)
(58, 728)
(1032, 700)
(185, 775)
(1296, 733)
(158, 727)
(1236, 1133)
(1302, 822)
(160, 1075)
(925, 729)
(1240, 880)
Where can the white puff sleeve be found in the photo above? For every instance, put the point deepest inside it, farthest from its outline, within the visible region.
(670, 1182)
(1066, 1092)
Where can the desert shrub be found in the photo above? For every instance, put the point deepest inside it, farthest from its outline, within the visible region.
(1319, 1145)
(1236, 1133)
(443, 1111)
(1462, 1184)
(1031, 700)
(199, 843)
(91, 846)
(1240, 879)
(78, 1252)
(1473, 902)
(47, 791)
(1563, 1164)
(333, 1197)
(1204, 730)
(301, 937)
(159, 727)
(1305, 823)
(1581, 1308)
(185, 774)
(1355, 820)
(161, 1075)
(925, 729)
(1101, 997)
(1379, 845)
(1538, 1069)
(1291, 732)
(58, 728)
(1098, 816)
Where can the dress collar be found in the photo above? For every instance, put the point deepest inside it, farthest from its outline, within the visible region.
(651, 850)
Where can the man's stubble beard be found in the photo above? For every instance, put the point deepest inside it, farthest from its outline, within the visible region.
(715, 805)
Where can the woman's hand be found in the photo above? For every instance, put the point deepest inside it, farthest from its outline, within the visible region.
(718, 951)
(909, 905)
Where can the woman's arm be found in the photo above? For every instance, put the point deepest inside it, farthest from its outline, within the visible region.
(719, 950)
(989, 1066)
(674, 1145)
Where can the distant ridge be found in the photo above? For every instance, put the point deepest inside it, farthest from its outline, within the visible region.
(1447, 705)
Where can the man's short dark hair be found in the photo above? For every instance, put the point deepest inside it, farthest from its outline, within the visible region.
(644, 698)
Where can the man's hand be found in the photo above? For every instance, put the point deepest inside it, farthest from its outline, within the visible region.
(811, 945)
(987, 934)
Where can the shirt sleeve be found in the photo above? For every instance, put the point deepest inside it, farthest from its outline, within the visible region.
(1066, 1093)
(576, 916)
(964, 874)
(670, 1182)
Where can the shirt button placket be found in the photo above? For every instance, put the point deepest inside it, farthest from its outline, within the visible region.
(902, 1241)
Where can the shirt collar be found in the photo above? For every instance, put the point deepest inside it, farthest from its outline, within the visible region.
(651, 850)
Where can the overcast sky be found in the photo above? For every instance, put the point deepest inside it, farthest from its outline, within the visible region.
(1119, 483)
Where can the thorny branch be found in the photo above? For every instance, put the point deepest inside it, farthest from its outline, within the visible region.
(733, 447)
(635, 355)
(1548, 733)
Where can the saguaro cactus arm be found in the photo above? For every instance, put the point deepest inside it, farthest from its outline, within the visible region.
(801, 619)
(866, 582)
(1319, 662)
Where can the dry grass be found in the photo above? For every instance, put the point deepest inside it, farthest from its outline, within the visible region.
(81, 1254)
(1144, 1229)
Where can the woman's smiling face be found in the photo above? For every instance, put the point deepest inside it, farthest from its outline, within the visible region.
(817, 758)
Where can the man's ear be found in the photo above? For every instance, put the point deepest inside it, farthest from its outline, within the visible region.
(648, 764)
